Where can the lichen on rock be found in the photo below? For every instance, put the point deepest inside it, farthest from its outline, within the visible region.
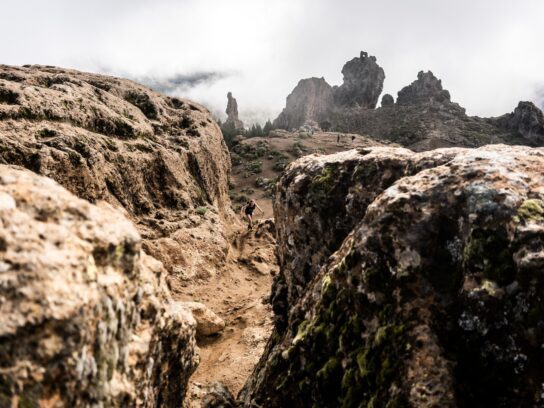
(85, 318)
(414, 283)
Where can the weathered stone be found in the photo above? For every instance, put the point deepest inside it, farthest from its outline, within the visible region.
(311, 100)
(218, 396)
(427, 88)
(232, 113)
(85, 319)
(423, 118)
(526, 119)
(412, 279)
(207, 322)
(387, 100)
(111, 139)
(362, 85)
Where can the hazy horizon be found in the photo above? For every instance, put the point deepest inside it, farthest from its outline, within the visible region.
(487, 54)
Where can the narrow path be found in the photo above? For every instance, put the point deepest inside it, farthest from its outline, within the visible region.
(239, 294)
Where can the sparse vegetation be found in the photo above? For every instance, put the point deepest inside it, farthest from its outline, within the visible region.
(253, 167)
(9, 97)
(143, 102)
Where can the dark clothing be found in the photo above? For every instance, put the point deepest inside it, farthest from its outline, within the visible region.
(250, 208)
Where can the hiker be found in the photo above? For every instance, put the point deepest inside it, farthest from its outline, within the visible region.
(338, 138)
(248, 210)
(352, 138)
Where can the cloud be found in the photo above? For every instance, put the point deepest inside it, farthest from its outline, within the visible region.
(485, 52)
(181, 83)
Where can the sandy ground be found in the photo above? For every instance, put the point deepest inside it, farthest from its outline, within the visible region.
(239, 294)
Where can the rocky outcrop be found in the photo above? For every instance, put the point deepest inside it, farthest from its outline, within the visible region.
(161, 159)
(426, 89)
(411, 279)
(387, 100)
(527, 120)
(85, 316)
(423, 117)
(363, 83)
(311, 100)
(232, 113)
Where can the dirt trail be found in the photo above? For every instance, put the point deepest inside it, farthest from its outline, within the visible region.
(239, 294)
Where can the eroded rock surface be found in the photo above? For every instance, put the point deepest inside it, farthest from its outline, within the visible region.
(423, 117)
(526, 119)
(85, 316)
(410, 279)
(161, 159)
(362, 84)
(427, 88)
(311, 100)
(232, 113)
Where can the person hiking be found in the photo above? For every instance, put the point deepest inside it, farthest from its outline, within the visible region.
(248, 211)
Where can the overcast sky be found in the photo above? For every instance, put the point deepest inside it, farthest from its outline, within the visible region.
(488, 53)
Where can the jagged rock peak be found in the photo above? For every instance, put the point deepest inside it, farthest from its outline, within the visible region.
(427, 88)
(311, 100)
(528, 120)
(363, 83)
(232, 112)
(387, 100)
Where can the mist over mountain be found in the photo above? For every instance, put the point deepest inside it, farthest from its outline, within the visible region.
(259, 50)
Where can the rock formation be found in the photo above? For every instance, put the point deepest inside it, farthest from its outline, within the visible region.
(363, 83)
(85, 316)
(232, 113)
(161, 159)
(387, 100)
(527, 120)
(426, 89)
(311, 100)
(423, 117)
(407, 279)
(86, 313)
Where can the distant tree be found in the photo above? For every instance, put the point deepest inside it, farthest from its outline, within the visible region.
(229, 132)
(267, 127)
(255, 130)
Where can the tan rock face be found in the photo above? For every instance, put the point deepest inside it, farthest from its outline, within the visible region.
(85, 317)
(161, 159)
(311, 100)
(410, 279)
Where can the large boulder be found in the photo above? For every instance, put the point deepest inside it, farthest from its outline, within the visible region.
(362, 84)
(163, 160)
(311, 100)
(85, 316)
(418, 285)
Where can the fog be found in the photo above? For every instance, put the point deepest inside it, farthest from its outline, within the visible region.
(487, 53)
